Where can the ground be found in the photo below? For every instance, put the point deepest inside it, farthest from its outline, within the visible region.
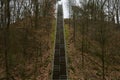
(30, 57)
(92, 69)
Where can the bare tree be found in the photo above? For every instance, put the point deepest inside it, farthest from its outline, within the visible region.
(6, 36)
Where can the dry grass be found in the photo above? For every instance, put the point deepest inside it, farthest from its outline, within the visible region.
(22, 66)
(92, 69)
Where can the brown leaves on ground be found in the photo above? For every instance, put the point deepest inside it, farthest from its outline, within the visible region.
(92, 69)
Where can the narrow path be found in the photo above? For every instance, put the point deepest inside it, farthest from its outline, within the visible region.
(59, 67)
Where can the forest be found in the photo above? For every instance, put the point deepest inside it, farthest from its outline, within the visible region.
(28, 36)
(93, 39)
(26, 39)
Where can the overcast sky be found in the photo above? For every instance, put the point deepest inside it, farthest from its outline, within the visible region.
(65, 8)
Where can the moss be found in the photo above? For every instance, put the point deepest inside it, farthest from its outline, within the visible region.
(66, 27)
(53, 32)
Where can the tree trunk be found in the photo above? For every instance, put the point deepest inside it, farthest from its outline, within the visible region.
(6, 37)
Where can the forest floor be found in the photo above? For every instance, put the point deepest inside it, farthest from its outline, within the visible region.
(28, 65)
(92, 69)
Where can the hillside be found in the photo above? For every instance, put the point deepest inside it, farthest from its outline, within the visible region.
(85, 56)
